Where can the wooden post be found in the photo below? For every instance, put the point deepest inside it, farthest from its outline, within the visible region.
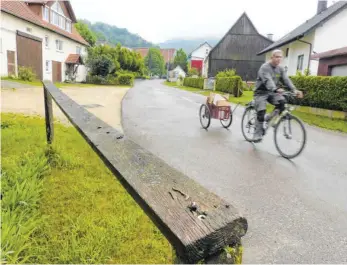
(49, 116)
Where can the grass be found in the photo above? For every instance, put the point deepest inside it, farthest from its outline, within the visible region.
(62, 205)
(59, 84)
(310, 118)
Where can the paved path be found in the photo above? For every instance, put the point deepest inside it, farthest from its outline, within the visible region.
(104, 102)
(297, 210)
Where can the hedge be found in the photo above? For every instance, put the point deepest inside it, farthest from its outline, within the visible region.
(322, 91)
(194, 82)
(121, 79)
(232, 85)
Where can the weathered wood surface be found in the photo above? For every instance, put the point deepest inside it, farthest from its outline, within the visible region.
(165, 194)
(48, 116)
(238, 49)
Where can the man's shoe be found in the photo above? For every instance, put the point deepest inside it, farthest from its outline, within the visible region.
(258, 134)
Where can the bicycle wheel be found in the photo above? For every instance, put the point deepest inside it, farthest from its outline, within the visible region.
(205, 116)
(227, 122)
(248, 123)
(290, 136)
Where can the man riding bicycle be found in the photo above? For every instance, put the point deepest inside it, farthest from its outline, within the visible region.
(270, 75)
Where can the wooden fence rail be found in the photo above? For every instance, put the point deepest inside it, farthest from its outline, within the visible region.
(197, 223)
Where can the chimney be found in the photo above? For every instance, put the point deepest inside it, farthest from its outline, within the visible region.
(270, 36)
(322, 5)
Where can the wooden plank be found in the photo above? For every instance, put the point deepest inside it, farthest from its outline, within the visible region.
(48, 116)
(163, 192)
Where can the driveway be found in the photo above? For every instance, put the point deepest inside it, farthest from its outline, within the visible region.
(103, 101)
(297, 210)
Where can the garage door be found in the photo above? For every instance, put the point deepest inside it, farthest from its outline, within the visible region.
(29, 52)
(339, 70)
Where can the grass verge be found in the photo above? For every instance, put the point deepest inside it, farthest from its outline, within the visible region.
(59, 84)
(62, 205)
(312, 119)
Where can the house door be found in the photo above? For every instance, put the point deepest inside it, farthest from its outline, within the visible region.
(11, 66)
(56, 71)
(29, 52)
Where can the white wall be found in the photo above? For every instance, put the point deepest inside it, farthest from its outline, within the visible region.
(332, 34)
(296, 49)
(201, 52)
(9, 25)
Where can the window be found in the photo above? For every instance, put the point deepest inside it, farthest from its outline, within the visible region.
(78, 50)
(61, 22)
(45, 13)
(300, 62)
(48, 66)
(59, 45)
(46, 42)
(68, 25)
(54, 18)
(287, 52)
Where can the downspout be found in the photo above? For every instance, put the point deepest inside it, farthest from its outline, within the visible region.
(309, 58)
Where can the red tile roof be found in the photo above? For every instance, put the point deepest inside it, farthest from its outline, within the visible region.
(331, 53)
(73, 59)
(21, 10)
(168, 54)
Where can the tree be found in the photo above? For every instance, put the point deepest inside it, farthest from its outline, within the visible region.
(181, 60)
(85, 32)
(154, 61)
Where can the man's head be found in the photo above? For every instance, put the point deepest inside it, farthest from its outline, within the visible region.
(276, 57)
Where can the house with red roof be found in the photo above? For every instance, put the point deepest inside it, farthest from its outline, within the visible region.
(41, 35)
(168, 54)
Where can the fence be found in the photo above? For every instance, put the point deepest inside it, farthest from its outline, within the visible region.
(197, 223)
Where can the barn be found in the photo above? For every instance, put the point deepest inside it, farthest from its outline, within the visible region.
(238, 49)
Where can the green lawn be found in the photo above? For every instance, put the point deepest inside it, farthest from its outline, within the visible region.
(59, 85)
(62, 205)
(312, 119)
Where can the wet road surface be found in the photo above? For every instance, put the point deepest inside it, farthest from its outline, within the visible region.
(296, 210)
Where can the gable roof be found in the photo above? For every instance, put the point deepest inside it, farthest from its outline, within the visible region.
(233, 27)
(308, 26)
(202, 44)
(331, 53)
(21, 10)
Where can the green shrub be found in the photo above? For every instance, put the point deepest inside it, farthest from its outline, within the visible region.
(96, 79)
(226, 73)
(26, 74)
(232, 85)
(193, 71)
(194, 82)
(322, 91)
(126, 79)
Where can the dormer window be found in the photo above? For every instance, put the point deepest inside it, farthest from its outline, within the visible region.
(57, 17)
(45, 13)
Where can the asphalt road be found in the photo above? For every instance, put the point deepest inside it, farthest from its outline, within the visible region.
(296, 210)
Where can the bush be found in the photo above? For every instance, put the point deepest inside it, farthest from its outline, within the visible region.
(232, 85)
(322, 91)
(26, 74)
(193, 71)
(126, 79)
(194, 82)
(226, 73)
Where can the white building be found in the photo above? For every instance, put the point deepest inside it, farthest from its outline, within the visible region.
(325, 33)
(41, 35)
(198, 56)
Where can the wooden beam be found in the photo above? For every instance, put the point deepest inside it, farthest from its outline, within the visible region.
(197, 223)
(48, 116)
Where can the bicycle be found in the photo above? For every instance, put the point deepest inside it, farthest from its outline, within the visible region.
(275, 120)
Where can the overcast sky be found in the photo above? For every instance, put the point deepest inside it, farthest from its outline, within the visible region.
(157, 21)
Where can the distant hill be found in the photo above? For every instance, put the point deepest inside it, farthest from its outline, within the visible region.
(114, 35)
(188, 45)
